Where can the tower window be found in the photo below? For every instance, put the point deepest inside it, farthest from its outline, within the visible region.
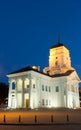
(56, 57)
(56, 63)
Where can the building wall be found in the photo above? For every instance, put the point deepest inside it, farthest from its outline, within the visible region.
(73, 91)
(35, 90)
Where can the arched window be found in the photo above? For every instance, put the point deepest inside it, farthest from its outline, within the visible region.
(13, 86)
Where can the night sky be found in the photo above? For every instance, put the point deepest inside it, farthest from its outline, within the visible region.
(28, 28)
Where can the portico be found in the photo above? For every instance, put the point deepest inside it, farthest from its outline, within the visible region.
(20, 91)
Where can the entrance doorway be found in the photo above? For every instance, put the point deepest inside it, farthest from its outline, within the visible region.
(27, 103)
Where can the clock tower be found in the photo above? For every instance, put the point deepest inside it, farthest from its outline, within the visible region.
(59, 59)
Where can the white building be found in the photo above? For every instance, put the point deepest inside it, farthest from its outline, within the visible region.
(56, 86)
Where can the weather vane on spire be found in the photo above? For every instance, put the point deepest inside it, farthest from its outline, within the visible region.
(58, 39)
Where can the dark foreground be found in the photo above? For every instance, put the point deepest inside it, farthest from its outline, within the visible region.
(41, 127)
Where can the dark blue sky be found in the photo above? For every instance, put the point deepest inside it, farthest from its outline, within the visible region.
(28, 28)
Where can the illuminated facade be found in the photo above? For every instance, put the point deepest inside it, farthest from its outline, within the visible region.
(56, 86)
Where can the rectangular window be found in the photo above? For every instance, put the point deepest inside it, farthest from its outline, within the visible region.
(27, 85)
(43, 102)
(42, 87)
(33, 85)
(49, 89)
(46, 88)
(57, 89)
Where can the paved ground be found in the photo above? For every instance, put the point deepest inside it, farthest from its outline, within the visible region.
(41, 119)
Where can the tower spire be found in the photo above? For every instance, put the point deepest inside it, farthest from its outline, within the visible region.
(58, 39)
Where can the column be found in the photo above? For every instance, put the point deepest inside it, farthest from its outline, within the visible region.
(23, 93)
(9, 95)
(16, 94)
(30, 91)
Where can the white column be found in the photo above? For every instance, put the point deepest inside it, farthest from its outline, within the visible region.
(30, 90)
(9, 94)
(23, 93)
(16, 93)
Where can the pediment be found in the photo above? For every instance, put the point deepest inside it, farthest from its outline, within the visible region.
(74, 76)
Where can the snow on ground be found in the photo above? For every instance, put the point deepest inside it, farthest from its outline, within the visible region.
(40, 119)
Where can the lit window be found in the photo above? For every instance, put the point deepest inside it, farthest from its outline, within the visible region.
(42, 87)
(33, 85)
(57, 89)
(13, 85)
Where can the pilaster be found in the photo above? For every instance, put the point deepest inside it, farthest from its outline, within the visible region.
(67, 95)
